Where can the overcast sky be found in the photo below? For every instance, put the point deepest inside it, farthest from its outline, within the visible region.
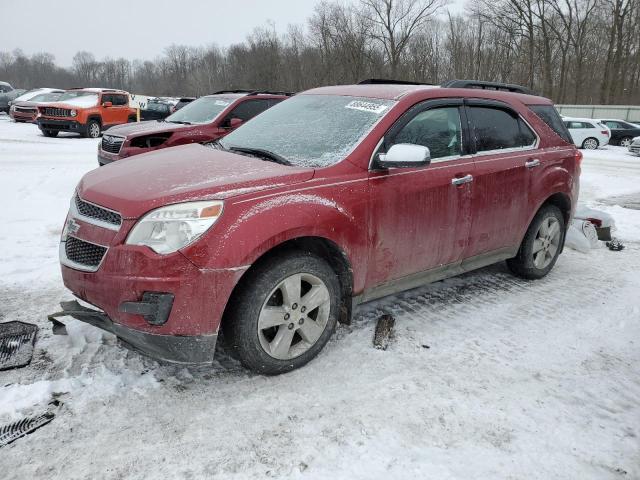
(139, 28)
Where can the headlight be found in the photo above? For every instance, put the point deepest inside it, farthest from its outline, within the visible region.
(168, 229)
(74, 113)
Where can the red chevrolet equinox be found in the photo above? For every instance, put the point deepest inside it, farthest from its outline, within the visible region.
(203, 120)
(337, 196)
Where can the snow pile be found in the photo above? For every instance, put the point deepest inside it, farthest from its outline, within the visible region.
(535, 380)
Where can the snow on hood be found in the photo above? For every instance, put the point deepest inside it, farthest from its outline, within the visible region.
(144, 128)
(139, 184)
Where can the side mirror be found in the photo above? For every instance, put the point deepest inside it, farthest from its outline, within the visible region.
(404, 155)
(235, 123)
(107, 104)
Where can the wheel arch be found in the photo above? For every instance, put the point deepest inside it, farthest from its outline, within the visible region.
(324, 248)
(96, 117)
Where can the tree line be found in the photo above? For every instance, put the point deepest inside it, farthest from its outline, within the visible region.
(573, 51)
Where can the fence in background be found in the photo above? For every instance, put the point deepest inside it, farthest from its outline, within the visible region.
(618, 112)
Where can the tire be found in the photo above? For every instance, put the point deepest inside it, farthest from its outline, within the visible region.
(539, 250)
(267, 327)
(625, 141)
(590, 143)
(93, 129)
(50, 133)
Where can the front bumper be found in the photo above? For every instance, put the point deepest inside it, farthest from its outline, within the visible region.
(61, 125)
(105, 158)
(22, 116)
(194, 349)
(633, 148)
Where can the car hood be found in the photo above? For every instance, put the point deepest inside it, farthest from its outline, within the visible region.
(188, 172)
(145, 128)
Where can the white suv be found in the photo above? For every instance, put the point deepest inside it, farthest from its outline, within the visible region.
(587, 133)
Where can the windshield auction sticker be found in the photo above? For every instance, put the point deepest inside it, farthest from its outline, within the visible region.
(222, 103)
(366, 106)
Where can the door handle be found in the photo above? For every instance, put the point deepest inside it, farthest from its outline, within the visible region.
(532, 163)
(462, 180)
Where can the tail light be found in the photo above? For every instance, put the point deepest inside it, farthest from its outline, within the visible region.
(605, 132)
(595, 221)
(577, 155)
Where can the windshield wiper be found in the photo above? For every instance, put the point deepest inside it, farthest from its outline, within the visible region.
(259, 152)
(180, 122)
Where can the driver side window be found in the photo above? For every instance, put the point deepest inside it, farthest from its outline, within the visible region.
(438, 129)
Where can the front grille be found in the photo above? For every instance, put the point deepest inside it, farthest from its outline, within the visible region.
(30, 111)
(84, 253)
(112, 144)
(55, 112)
(94, 211)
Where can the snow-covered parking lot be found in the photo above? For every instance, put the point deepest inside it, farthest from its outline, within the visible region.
(488, 377)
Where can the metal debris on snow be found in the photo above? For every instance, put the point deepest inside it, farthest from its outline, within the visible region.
(13, 431)
(384, 331)
(16, 344)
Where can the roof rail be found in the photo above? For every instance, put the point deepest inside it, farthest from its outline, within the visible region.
(506, 87)
(254, 92)
(384, 81)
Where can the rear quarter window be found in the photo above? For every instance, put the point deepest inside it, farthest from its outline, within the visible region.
(549, 115)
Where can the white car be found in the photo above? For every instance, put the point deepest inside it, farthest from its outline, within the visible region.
(634, 146)
(587, 132)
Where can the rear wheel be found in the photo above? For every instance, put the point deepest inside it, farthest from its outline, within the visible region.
(541, 246)
(284, 313)
(93, 129)
(590, 144)
(50, 133)
(625, 141)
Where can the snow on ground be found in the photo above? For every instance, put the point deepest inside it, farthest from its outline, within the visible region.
(489, 376)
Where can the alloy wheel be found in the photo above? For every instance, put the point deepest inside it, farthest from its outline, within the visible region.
(590, 144)
(294, 316)
(625, 142)
(94, 130)
(546, 243)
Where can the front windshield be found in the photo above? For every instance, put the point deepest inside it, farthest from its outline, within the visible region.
(310, 130)
(202, 110)
(79, 98)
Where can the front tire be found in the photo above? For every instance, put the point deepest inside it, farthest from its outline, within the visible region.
(50, 133)
(590, 143)
(626, 141)
(284, 313)
(541, 245)
(93, 129)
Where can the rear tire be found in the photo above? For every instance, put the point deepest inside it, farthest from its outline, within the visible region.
(541, 245)
(50, 133)
(283, 314)
(93, 129)
(590, 143)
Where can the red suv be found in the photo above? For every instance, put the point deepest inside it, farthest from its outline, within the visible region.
(337, 196)
(203, 120)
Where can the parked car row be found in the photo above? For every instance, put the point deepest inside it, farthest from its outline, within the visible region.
(272, 233)
(589, 133)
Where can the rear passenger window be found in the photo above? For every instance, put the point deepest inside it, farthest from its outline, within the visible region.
(549, 115)
(497, 129)
(437, 129)
(119, 100)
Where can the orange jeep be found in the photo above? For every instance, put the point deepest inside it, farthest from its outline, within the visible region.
(87, 111)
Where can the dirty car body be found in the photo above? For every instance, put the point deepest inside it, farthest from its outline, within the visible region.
(381, 229)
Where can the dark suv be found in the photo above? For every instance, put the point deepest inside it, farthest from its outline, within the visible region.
(337, 196)
(203, 120)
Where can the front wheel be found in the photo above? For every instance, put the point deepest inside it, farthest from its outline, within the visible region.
(284, 313)
(93, 129)
(626, 141)
(590, 144)
(541, 246)
(50, 133)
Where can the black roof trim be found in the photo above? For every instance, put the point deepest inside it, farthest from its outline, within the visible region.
(482, 85)
(255, 92)
(384, 81)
